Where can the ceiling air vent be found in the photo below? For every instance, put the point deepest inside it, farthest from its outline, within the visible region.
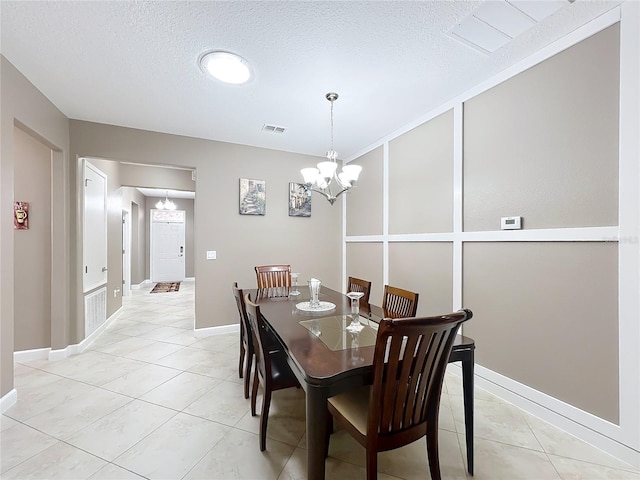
(495, 23)
(272, 128)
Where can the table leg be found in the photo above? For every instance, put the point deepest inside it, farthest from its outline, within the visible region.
(317, 413)
(467, 387)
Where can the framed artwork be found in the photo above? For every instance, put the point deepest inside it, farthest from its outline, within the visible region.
(299, 200)
(21, 215)
(253, 197)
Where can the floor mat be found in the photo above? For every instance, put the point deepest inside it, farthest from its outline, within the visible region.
(163, 287)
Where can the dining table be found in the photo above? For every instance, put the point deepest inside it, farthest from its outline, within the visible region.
(328, 359)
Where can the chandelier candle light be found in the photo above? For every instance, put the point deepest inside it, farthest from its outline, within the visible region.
(166, 204)
(321, 179)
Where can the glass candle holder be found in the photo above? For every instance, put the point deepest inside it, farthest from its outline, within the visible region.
(294, 279)
(355, 325)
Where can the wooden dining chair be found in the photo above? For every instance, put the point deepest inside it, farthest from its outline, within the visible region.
(409, 363)
(399, 303)
(246, 339)
(271, 276)
(358, 285)
(271, 371)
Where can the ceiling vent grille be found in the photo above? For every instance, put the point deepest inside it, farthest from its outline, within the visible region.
(273, 128)
(495, 23)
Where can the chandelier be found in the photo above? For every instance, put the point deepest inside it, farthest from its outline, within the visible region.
(325, 179)
(166, 204)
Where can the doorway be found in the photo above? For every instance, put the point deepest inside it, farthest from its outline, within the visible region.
(167, 245)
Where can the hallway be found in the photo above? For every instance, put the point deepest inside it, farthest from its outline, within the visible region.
(147, 399)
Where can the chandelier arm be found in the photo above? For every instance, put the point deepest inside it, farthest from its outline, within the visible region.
(341, 192)
(329, 196)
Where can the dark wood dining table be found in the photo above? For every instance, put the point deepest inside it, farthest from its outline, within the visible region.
(327, 360)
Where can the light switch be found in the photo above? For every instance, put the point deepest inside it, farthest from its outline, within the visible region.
(211, 254)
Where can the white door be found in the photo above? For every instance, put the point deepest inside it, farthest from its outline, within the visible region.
(167, 245)
(94, 249)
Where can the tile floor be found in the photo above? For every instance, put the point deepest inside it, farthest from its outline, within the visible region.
(149, 400)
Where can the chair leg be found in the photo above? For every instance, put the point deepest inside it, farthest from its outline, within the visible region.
(432, 450)
(372, 464)
(254, 393)
(247, 374)
(242, 352)
(264, 418)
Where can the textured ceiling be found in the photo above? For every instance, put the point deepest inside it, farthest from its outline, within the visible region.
(134, 64)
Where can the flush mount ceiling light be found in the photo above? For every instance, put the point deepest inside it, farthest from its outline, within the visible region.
(226, 67)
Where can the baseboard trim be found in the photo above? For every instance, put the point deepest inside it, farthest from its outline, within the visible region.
(79, 347)
(190, 279)
(138, 286)
(553, 411)
(221, 330)
(8, 400)
(22, 356)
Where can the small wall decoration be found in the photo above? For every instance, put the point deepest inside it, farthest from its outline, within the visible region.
(253, 197)
(299, 200)
(21, 215)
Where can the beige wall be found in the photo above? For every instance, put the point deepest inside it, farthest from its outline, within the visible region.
(546, 314)
(156, 177)
(421, 178)
(543, 144)
(32, 247)
(549, 155)
(364, 202)
(425, 268)
(241, 241)
(134, 202)
(365, 261)
(23, 105)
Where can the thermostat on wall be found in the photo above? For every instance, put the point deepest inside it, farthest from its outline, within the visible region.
(511, 223)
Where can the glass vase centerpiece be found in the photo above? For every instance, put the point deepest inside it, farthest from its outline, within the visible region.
(355, 325)
(314, 292)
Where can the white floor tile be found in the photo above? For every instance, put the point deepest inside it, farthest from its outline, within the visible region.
(83, 409)
(19, 443)
(180, 391)
(238, 456)
(60, 461)
(115, 433)
(141, 380)
(174, 448)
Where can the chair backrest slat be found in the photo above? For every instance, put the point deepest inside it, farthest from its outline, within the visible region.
(410, 359)
(358, 285)
(399, 303)
(271, 276)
